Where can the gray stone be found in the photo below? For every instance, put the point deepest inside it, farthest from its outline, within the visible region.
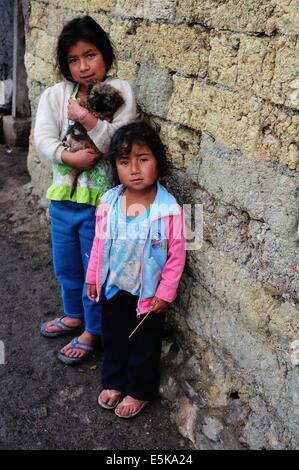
(185, 417)
(251, 354)
(262, 430)
(212, 428)
(269, 259)
(157, 10)
(153, 89)
(266, 191)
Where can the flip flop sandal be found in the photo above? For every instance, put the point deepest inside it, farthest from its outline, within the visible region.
(64, 329)
(75, 344)
(129, 403)
(113, 393)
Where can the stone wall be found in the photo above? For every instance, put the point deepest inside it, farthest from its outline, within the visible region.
(221, 80)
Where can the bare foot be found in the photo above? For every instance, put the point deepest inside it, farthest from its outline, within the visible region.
(85, 338)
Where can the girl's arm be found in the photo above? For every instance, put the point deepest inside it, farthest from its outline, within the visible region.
(49, 123)
(101, 220)
(176, 257)
(79, 114)
(82, 159)
(91, 273)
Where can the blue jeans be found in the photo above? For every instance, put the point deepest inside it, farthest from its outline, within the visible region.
(72, 230)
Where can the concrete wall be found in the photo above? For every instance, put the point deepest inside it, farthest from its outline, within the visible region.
(221, 79)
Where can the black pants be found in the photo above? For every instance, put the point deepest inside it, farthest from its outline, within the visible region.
(130, 365)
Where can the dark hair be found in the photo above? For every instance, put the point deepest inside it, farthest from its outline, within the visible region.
(141, 133)
(83, 29)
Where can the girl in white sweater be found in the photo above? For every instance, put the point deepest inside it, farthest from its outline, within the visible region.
(84, 54)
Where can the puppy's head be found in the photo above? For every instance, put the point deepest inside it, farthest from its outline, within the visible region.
(103, 98)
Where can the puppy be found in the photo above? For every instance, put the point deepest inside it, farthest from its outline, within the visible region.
(102, 101)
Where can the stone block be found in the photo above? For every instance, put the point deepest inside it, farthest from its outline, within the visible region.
(180, 48)
(283, 320)
(266, 192)
(123, 35)
(265, 67)
(130, 8)
(251, 353)
(269, 259)
(40, 71)
(223, 59)
(16, 131)
(57, 18)
(162, 45)
(263, 430)
(127, 70)
(237, 15)
(232, 284)
(182, 148)
(285, 84)
(31, 40)
(185, 418)
(39, 15)
(212, 428)
(157, 10)
(153, 89)
(149, 9)
(287, 17)
(35, 89)
(269, 68)
(258, 129)
(40, 172)
(233, 15)
(45, 47)
(86, 6)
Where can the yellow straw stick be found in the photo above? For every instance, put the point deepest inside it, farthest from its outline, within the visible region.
(139, 324)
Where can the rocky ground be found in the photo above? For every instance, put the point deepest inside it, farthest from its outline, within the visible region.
(45, 404)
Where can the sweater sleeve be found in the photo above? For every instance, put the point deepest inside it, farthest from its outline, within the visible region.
(91, 273)
(101, 217)
(176, 257)
(48, 124)
(103, 131)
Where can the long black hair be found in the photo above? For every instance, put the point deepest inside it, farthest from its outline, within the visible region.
(85, 29)
(140, 133)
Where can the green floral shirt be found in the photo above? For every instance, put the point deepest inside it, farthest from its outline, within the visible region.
(91, 185)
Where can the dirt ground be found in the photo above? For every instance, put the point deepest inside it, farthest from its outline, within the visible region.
(45, 404)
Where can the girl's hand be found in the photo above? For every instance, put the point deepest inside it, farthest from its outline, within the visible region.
(92, 292)
(82, 159)
(75, 112)
(159, 305)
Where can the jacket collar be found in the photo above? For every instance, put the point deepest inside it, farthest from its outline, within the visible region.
(164, 204)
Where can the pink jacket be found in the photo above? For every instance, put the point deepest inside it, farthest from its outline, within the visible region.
(173, 230)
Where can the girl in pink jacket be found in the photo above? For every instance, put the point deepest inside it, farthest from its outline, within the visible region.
(135, 266)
